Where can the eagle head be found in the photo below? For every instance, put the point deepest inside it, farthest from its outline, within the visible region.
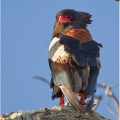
(65, 16)
(70, 17)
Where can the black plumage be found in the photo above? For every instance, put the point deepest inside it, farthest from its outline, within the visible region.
(74, 62)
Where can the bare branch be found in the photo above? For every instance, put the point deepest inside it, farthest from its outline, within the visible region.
(102, 85)
(113, 86)
(109, 93)
(111, 110)
(53, 113)
(96, 102)
(42, 79)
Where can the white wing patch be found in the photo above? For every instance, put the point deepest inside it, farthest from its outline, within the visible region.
(54, 40)
(60, 53)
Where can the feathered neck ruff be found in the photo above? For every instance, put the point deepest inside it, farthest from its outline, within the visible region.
(74, 30)
(81, 34)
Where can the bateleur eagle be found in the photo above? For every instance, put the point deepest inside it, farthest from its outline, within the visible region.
(74, 59)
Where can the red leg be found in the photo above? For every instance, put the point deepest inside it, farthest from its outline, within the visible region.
(61, 100)
(82, 101)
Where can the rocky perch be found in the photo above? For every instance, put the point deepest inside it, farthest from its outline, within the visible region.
(53, 113)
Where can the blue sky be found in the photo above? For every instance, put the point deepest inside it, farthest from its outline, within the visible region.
(26, 33)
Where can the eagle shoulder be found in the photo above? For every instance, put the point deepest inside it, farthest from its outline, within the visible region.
(59, 54)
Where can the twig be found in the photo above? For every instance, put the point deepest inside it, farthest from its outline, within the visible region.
(111, 110)
(97, 101)
(109, 93)
(42, 79)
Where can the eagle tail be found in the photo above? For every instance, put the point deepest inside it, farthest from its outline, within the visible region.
(72, 98)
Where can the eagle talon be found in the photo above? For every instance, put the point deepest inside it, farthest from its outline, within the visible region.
(82, 102)
(66, 103)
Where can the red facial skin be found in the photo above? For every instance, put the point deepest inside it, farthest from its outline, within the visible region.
(64, 19)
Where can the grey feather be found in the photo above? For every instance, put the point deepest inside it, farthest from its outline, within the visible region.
(53, 49)
(72, 98)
